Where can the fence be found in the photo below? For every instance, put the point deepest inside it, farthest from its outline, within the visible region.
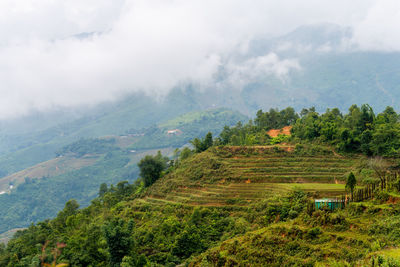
(360, 194)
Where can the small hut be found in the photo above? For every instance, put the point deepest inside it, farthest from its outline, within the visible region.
(330, 203)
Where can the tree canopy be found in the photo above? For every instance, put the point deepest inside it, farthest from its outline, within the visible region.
(151, 168)
(351, 183)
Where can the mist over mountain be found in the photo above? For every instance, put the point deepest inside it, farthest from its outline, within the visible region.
(314, 65)
(86, 54)
(199, 133)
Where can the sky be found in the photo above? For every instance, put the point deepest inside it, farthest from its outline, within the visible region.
(81, 52)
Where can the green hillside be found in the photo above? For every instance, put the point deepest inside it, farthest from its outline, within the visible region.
(241, 175)
(187, 126)
(22, 150)
(217, 202)
(362, 235)
(244, 198)
(48, 168)
(38, 198)
(80, 167)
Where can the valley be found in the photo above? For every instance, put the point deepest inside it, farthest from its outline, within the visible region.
(199, 133)
(77, 169)
(243, 197)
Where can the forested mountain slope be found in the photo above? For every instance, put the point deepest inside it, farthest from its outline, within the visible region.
(204, 200)
(323, 72)
(21, 150)
(38, 192)
(242, 198)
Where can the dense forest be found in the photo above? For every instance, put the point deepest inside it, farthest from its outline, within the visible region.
(185, 210)
(358, 131)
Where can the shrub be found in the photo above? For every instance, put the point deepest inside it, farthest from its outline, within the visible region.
(357, 208)
(382, 196)
(314, 232)
(151, 168)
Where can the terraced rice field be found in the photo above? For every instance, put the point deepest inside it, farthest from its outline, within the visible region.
(289, 169)
(251, 177)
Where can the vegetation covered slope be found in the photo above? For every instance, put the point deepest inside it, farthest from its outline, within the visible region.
(237, 176)
(230, 205)
(350, 237)
(80, 167)
(19, 150)
(37, 196)
(48, 168)
(182, 129)
(203, 201)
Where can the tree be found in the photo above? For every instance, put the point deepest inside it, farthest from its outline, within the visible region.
(380, 168)
(71, 208)
(118, 237)
(208, 140)
(386, 139)
(351, 183)
(103, 189)
(151, 168)
(185, 153)
(201, 145)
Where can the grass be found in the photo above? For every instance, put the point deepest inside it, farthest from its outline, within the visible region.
(236, 176)
(291, 243)
(392, 252)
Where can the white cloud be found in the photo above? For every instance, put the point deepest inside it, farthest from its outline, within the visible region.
(256, 68)
(378, 30)
(153, 45)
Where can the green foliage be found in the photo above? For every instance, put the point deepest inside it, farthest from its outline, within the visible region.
(275, 119)
(286, 207)
(207, 208)
(189, 126)
(135, 261)
(380, 260)
(130, 225)
(50, 194)
(382, 196)
(255, 134)
(351, 182)
(88, 146)
(151, 168)
(201, 145)
(185, 153)
(118, 237)
(103, 189)
(243, 135)
(43, 198)
(281, 138)
(358, 131)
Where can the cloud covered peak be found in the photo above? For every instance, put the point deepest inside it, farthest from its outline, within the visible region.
(70, 53)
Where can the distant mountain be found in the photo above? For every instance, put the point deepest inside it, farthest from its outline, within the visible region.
(38, 192)
(306, 38)
(28, 145)
(314, 65)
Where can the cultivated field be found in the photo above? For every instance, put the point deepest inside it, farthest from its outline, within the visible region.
(238, 176)
(48, 168)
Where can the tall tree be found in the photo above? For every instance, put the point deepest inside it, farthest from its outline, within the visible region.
(380, 167)
(118, 236)
(201, 145)
(151, 168)
(351, 183)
